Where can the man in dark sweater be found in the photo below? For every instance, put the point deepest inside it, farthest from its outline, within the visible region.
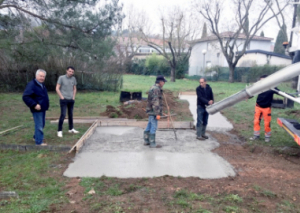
(263, 110)
(36, 98)
(205, 97)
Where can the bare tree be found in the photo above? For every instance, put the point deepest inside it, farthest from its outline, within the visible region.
(130, 37)
(261, 10)
(176, 29)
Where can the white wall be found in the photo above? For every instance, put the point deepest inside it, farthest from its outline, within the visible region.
(251, 59)
(196, 59)
(261, 45)
(196, 62)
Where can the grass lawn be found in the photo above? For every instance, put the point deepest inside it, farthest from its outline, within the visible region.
(36, 176)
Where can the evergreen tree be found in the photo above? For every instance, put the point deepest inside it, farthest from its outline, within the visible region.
(246, 25)
(204, 31)
(59, 33)
(281, 37)
(262, 34)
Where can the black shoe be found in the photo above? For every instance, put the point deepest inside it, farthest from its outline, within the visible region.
(146, 144)
(157, 146)
(200, 138)
(254, 138)
(204, 136)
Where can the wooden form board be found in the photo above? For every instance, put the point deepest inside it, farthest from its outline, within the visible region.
(143, 124)
(90, 120)
(86, 136)
(77, 117)
(188, 93)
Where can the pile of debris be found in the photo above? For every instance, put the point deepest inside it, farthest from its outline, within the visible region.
(135, 109)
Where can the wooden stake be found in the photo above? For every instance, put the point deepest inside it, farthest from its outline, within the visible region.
(10, 129)
(169, 115)
(84, 137)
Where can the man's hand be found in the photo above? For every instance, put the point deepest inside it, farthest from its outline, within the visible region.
(210, 102)
(37, 107)
(157, 117)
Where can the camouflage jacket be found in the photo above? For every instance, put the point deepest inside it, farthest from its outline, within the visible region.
(155, 105)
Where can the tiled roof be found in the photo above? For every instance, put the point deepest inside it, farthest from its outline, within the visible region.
(230, 34)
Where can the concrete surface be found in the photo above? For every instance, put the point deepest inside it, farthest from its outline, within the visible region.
(216, 122)
(119, 152)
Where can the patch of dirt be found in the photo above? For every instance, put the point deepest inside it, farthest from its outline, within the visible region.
(137, 110)
(266, 181)
(294, 113)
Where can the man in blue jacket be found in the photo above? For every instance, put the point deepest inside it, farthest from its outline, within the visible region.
(205, 97)
(36, 98)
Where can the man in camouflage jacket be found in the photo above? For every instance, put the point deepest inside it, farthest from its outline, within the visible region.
(154, 110)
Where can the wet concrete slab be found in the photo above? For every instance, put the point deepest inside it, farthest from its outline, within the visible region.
(216, 122)
(119, 152)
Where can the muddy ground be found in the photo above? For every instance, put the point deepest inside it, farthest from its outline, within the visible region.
(266, 181)
(137, 109)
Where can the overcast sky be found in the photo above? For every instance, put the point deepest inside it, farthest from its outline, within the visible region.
(152, 7)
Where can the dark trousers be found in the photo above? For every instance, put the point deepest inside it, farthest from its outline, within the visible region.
(64, 104)
(202, 118)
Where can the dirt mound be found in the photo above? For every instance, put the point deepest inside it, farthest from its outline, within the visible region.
(137, 109)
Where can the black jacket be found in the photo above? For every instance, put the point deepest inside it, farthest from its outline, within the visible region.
(204, 95)
(264, 100)
(34, 94)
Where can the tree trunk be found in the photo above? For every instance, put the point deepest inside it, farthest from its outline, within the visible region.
(231, 73)
(173, 71)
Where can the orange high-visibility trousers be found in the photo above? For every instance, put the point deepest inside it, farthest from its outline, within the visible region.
(264, 113)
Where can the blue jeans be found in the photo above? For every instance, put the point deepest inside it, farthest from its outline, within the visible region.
(64, 104)
(152, 124)
(39, 124)
(202, 118)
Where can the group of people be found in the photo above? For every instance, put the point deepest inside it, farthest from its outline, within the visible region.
(154, 109)
(36, 98)
(205, 98)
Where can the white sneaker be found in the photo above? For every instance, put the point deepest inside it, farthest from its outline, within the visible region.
(59, 134)
(73, 131)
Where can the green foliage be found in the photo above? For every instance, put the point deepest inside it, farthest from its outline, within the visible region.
(114, 190)
(256, 71)
(241, 74)
(181, 68)
(231, 209)
(66, 35)
(214, 73)
(181, 194)
(204, 31)
(157, 65)
(281, 37)
(233, 198)
(153, 65)
(269, 194)
(113, 115)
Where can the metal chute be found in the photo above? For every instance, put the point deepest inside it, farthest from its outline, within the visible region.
(263, 85)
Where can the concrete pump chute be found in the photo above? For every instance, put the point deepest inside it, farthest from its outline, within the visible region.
(270, 82)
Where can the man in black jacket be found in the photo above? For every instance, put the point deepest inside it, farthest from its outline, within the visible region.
(36, 98)
(205, 97)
